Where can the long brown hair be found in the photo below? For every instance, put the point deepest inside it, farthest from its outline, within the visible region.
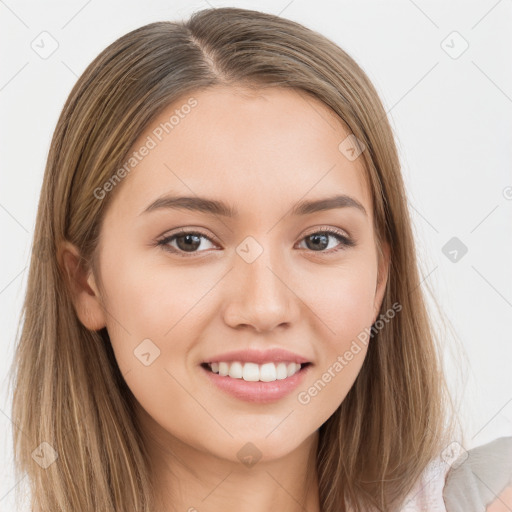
(394, 420)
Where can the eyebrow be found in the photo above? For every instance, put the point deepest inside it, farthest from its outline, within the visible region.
(214, 207)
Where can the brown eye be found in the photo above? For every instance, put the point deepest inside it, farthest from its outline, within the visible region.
(186, 242)
(320, 240)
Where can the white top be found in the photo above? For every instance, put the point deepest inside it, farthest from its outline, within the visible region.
(427, 494)
(471, 483)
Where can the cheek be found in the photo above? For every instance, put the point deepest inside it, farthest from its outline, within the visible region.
(345, 307)
(343, 300)
(151, 300)
(148, 297)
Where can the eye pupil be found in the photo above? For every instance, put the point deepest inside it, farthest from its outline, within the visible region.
(316, 238)
(190, 247)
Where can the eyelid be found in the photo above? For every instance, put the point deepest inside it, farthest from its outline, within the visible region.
(329, 229)
(192, 229)
(188, 231)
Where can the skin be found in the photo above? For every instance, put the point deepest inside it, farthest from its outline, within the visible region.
(503, 503)
(261, 152)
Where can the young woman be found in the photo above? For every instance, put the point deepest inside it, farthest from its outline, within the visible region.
(223, 306)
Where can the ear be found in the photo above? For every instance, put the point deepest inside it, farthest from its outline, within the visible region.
(84, 292)
(382, 278)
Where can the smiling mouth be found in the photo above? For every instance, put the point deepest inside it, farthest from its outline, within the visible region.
(252, 372)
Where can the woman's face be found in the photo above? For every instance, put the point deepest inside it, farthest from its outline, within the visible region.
(265, 277)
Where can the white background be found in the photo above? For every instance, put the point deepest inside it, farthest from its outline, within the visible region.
(452, 119)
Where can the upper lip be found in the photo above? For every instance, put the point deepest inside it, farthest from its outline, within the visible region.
(273, 355)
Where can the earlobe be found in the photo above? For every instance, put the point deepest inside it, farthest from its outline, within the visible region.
(82, 287)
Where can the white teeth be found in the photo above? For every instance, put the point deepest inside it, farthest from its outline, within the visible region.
(253, 372)
(267, 371)
(250, 372)
(236, 370)
(223, 369)
(282, 370)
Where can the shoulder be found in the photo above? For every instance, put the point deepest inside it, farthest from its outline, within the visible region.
(479, 479)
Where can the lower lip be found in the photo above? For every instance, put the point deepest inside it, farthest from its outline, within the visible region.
(257, 392)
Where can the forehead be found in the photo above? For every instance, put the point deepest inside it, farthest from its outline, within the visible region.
(250, 147)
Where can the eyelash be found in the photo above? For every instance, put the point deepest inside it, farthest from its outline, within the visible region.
(345, 242)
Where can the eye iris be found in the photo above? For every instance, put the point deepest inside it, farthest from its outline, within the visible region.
(319, 237)
(190, 247)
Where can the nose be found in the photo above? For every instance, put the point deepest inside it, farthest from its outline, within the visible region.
(259, 296)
